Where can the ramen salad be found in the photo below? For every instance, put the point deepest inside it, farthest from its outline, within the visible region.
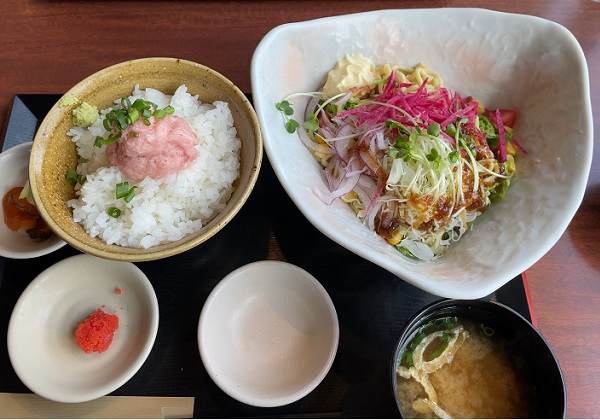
(416, 162)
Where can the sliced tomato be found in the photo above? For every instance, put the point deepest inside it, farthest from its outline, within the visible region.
(509, 116)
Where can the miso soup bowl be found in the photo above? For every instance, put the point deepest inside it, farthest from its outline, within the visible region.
(545, 374)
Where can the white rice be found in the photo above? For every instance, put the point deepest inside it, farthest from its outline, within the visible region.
(167, 209)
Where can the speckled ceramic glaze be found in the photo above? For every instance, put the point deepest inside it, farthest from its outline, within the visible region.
(54, 153)
(504, 60)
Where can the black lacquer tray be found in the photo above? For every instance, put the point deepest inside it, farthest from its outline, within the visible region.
(372, 304)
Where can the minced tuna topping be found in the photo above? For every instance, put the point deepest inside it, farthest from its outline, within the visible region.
(163, 147)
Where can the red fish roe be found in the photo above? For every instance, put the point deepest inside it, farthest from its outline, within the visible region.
(97, 331)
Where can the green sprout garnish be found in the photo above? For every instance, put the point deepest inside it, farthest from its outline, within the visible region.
(434, 129)
(453, 156)
(403, 149)
(311, 123)
(434, 157)
(290, 123)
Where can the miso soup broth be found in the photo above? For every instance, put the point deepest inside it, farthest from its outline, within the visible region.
(453, 367)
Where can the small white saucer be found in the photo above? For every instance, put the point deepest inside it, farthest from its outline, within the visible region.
(14, 172)
(268, 333)
(41, 331)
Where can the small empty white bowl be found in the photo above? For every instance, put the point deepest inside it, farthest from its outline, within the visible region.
(14, 172)
(41, 330)
(268, 333)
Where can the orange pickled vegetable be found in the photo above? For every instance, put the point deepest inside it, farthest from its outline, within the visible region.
(18, 212)
(21, 214)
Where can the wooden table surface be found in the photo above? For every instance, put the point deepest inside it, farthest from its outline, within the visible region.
(48, 46)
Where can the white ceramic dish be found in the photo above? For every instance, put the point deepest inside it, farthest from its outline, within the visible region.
(41, 331)
(506, 61)
(14, 172)
(268, 333)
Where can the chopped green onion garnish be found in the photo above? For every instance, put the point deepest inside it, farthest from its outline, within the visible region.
(407, 356)
(123, 191)
(119, 118)
(113, 212)
(71, 177)
(162, 113)
(130, 194)
(140, 105)
(133, 115)
(417, 340)
(159, 113)
(445, 340)
(488, 331)
(101, 140)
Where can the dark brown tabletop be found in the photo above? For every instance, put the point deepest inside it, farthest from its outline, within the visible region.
(48, 46)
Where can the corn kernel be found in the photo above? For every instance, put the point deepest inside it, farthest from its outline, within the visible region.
(480, 108)
(511, 149)
(351, 196)
(317, 139)
(510, 165)
(395, 239)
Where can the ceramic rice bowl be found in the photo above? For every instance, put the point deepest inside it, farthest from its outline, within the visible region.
(53, 152)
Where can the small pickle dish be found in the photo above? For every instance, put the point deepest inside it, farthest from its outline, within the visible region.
(15, 240)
